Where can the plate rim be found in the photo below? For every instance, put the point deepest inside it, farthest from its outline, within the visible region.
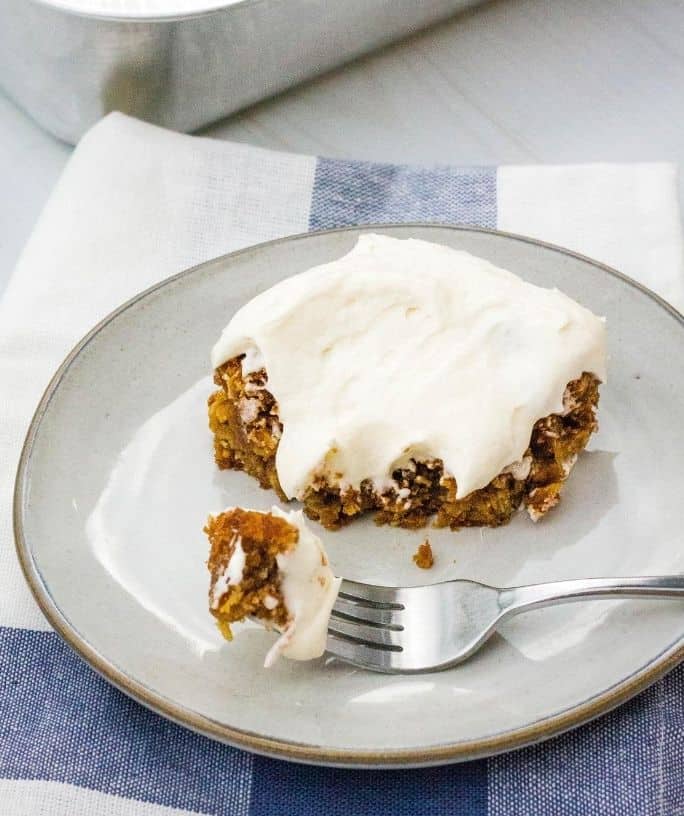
(529, 734)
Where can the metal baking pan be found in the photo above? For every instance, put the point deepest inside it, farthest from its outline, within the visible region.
(183, 63)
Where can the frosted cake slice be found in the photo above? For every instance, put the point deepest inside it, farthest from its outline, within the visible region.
(409, 379)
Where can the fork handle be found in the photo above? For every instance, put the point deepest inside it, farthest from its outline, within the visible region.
(520, 599)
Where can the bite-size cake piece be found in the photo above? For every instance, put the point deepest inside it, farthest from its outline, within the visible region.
(409, 379)
(270, 567)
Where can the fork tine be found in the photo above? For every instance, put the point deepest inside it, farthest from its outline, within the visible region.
(376, 635)
(364, 612)
(358, 654)
(369, 593)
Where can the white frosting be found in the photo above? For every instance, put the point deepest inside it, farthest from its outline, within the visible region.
(309, 589)
(232, 574)
(252, 361)
(407, 349)
(236, 565)
(521, 470)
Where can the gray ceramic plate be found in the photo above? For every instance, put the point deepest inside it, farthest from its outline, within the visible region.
(117, 479)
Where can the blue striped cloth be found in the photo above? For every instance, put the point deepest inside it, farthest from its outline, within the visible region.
(72, 744)
(62, 722)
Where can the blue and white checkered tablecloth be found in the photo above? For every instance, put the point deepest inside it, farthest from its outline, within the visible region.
(136, 204)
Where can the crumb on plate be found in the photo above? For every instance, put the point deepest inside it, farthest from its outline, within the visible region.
(423, 556)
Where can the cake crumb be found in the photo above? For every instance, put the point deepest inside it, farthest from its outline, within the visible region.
(423, 556)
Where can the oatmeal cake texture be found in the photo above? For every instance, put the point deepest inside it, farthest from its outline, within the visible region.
(409, 379)
(272, 568)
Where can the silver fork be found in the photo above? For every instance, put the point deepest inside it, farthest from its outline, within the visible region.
(401, 630)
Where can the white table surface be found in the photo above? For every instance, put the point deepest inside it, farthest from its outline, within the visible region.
(514, 81)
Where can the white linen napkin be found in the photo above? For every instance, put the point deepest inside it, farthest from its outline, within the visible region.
(137, 203)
